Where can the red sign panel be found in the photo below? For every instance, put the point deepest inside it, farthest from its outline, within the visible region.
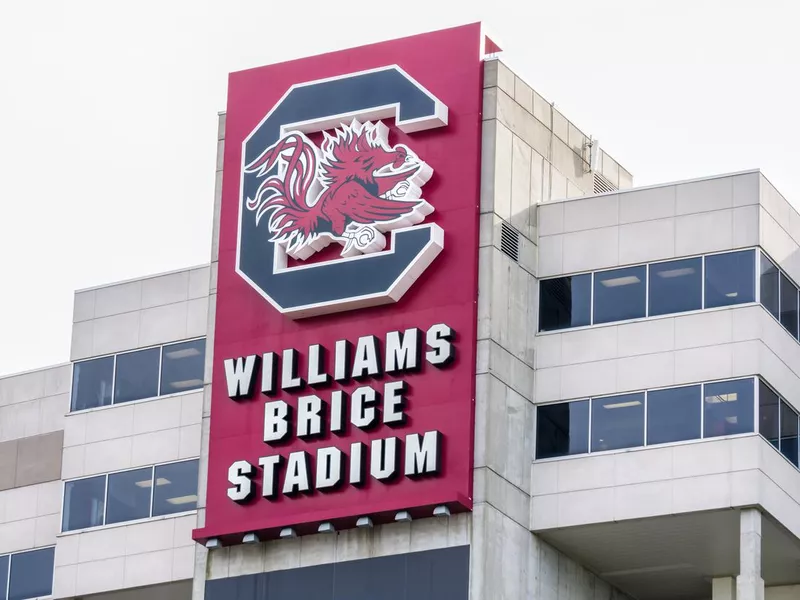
(344, 344)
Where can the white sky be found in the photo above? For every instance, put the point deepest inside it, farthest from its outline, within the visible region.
(109, 114)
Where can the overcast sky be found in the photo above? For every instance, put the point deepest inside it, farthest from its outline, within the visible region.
(109, 114)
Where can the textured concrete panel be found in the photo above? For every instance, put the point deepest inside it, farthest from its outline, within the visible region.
(39, 458)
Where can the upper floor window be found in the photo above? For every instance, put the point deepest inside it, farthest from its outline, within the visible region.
(779, 295)
(26, 575)
(778, 423)
(661, 288)
(138, 374)
(130, 495)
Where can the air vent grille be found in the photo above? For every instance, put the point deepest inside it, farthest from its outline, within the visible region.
(603, 185)
(509, 242)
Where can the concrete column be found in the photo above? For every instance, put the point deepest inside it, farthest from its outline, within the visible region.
(749, 584)
(723, 588)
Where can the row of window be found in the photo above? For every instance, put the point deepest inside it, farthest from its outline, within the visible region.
(779, 295)
(130, 495)
(647, 290)
(646, 418)
(778, 423)
(27, 574)
(139, 374)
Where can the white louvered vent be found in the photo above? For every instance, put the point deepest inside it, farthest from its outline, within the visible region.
(509, 242)
(603, 185)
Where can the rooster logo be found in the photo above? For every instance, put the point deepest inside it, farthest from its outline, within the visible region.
(352, 190)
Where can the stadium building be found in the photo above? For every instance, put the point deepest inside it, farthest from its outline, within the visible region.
(443, 349)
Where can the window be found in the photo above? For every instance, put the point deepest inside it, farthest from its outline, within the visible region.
(183, 366)
(768, 284)
(728, 408)
(789, 433)
(565, 302)
(730, 278)
(562, 429)
(788, 305)
(176, 488)
(129, 495)
(92, 383)
(768, 414)
(675, 286)
(137, 375)
(84, 503)
(673, 415)
(617, 422)
(31, 574)
(4, 564)
(619, 294)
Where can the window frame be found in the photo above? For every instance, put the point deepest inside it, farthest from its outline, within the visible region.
(755, 250)
(114, 375)
(106, 476)
(781, 402)
(754, 379)
(10, 556)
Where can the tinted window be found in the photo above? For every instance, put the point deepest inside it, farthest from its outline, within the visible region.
(788, 305)
(183, 366)
(788, 433)
(730, 278)
(768, 409)
(137, 375)
(562, 429)
(565, 302)
(176, 488)
(728, 408)
(676, 286)
(673, 415)
(91, 383)
(129, 495)
(617, 422)
(3, 576)
(768, 282)
(619, 294)
(84, 503)
(31, 574)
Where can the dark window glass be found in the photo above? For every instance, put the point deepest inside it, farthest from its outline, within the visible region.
(788, 305)
(183, 366)
(673, 415)
(129, 495)
(730, 278)
(3, 576)
(619, 294)
(91, 383)
(789, 433)
(137, 375)
(768, 407)
(565, 302)
(176, 488)
(84, 503)
(31, 574)
(562, 429)
(617, 422)
(728, 408)
(676, 286)
(768, 282)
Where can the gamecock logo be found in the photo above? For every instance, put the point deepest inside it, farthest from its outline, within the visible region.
(296, 198)
(352, 190)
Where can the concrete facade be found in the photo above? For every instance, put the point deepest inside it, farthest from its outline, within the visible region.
(714, 518)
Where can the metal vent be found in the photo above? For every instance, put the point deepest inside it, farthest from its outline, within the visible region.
(603, 185)
(509, 242)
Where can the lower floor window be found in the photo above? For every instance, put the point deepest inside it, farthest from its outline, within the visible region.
(653, 417)
(27, 574)
(130, 495)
